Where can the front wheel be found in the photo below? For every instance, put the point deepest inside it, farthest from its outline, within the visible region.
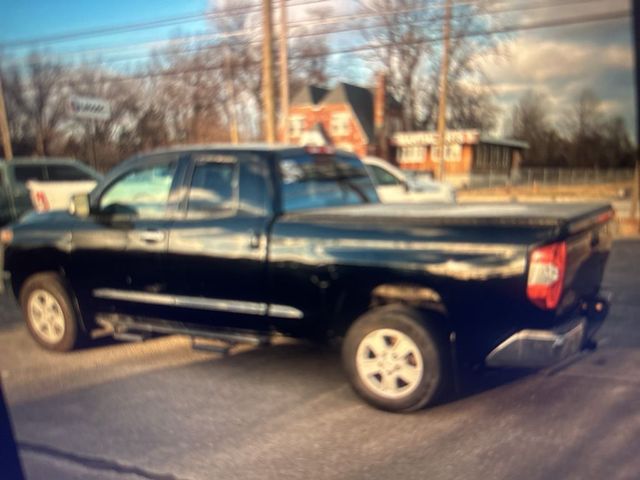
(48, 312)
(396, 358)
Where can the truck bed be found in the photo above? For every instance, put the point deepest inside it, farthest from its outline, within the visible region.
(559, 215)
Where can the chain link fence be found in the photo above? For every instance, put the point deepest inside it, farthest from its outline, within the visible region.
(551, 176)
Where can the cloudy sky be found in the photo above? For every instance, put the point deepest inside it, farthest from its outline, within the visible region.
(559, 62)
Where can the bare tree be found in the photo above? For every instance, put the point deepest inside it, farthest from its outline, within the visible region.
(586, 137)
(471, 108)
(35, 97)
(530, 122)
(400, 34)
(406, 36)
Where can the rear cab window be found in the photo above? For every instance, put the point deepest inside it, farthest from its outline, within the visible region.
(24, 173)
(67, 173)
(383, 177)
(316, 180)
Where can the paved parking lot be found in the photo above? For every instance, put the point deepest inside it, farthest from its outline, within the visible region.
(161, 410)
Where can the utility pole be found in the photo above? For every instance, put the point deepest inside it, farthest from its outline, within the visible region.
(444, 80)
(267, 72)
(4, 127)
(284, 72)
(635, 200)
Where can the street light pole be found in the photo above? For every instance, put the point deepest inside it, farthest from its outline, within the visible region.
(444, 77)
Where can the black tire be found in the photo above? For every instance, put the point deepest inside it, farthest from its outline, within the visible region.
(54, 285)
(431, 342)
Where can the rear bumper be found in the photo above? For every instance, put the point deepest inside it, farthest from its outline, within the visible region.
(532, 348)
(541, 348)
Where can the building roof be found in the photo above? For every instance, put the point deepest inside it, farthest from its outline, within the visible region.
(309, 95)
(361, 101)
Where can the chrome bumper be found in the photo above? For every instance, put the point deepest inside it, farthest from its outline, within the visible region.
(540, 348)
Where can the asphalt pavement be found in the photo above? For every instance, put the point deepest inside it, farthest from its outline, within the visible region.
(160, 410)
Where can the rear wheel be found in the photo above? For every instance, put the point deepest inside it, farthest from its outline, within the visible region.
(48, 312)
(396, 359)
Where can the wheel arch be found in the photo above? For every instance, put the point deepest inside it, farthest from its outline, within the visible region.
(353, 303)
(26, 263)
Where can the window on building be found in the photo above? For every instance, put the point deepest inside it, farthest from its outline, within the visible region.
(296, 125)
(452, 153)
(412, 154)
(339, 126)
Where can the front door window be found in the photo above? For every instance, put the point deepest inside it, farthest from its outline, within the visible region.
(142, 193)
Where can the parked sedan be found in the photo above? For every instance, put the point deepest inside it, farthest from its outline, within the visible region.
(41, 184)
(396, 186)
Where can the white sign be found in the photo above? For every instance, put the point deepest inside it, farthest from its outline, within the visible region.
(90, 108)
(460, 137)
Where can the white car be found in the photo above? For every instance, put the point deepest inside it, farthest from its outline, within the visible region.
(41, 184)
(397, 186)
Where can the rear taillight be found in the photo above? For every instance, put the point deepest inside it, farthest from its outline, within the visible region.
(6, 236)
(546, 275)
(40, 201)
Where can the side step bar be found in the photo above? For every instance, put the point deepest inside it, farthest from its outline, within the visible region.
(128, 328)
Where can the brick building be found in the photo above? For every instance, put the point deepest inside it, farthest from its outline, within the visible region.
(469, 157)
(350, 117)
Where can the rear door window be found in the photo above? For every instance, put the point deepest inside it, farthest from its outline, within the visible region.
(24, 173)
(213, 185)
(67, 173)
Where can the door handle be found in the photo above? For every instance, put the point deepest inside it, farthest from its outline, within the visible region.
(150, 236)
(254, 241)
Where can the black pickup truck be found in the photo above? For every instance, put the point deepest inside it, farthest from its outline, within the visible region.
(243, 243)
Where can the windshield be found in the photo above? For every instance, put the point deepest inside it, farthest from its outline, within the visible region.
(324, 180)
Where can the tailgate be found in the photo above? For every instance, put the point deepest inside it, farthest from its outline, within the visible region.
(589, 239)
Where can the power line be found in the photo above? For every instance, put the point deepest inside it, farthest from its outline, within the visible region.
(167, 21)
(312, 22)
(580, 20)
(349, 28)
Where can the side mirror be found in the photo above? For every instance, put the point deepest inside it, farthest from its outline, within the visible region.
(407, 187)
(80, 206)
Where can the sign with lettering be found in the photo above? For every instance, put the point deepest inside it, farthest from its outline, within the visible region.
(90, 108)
(451, 137)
